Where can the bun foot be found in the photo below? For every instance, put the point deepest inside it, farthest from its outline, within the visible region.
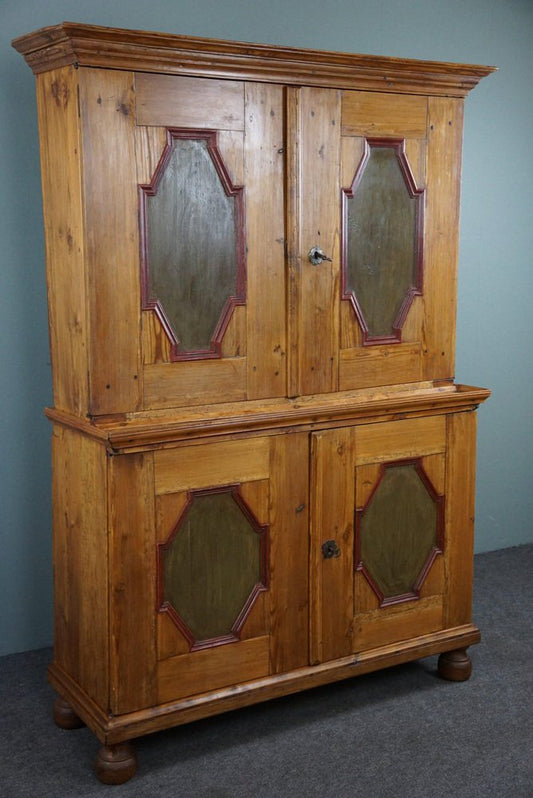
(115, 764)
(64, 715)
(456, 666)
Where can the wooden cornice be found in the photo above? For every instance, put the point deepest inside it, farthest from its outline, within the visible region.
(141, 431)
(94, 46)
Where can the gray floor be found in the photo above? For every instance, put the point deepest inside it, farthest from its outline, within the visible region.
(400, 733)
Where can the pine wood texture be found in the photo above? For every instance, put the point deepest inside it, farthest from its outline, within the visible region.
(161, 102)
(297, 413)
(318, 288)
(143, 431)
(376, 115)
(346, 616)
(115, 729)
(228, 462)
(275, 485)
(364, 367)
(112, 243)
(460, 479)
(399, 440)
(289, 605)
(133, 582)
(194, 382)
(212, 668)
(81, 573)
(404, 118)
(445, 123)
(92, 45)
(265, 240)
(57, 99)
(332, 491)
(250, 134)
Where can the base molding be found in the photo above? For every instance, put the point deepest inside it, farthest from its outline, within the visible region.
(113, 729)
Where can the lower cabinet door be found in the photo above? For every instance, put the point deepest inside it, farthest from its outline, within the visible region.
(220, 544)
(391, 532)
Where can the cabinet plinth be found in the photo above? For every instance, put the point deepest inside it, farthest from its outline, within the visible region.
(263, 468)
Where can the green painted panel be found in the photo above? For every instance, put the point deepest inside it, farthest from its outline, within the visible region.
(381, 251)
(398, 530)
(192, 244)
(212, 565)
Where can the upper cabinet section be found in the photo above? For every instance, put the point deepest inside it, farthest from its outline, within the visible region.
(229, 222)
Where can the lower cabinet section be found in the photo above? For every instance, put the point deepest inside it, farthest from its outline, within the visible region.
(205, 575)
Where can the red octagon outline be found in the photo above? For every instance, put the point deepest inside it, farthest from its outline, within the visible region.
(260, 587)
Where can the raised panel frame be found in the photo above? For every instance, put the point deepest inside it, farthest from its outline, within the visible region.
(398, 145)
(262, 584)
(156, 304)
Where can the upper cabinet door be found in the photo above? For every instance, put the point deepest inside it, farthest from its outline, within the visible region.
(210, 175)
(183, 194)
(377, 192)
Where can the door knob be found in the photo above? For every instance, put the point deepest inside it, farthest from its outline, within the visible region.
(316, 256)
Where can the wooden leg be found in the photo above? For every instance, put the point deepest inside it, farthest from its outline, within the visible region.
(115, 764)
(64, 715)
(455, 666)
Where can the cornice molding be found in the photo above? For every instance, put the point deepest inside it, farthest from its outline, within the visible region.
(94, 46)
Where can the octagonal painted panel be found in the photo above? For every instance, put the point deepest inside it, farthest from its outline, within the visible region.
(382, 240)
(192, 244)
(399, 531)
(213, 566)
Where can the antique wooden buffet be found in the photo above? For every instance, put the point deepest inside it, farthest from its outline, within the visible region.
(263, 468)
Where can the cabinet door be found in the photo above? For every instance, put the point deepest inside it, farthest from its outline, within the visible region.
(377, 191)
(210, 169)
(391, 538)
(211, 573)
(184, 210)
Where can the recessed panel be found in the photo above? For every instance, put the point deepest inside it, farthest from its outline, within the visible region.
(382, 241)
(213, 564)
(398, 531)
(193, 244)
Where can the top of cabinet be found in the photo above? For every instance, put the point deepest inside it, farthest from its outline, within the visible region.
(95, 46)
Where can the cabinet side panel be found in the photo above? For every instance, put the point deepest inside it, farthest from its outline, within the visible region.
(112, 245)
(132, 582)
(460, 497)
(80, 561)
(445, 129)
(264, 163)
(289, 552)
(57, 101)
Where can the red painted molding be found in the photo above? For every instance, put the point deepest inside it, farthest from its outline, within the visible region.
(260, 587)
(438, 548)
(415, 193)
(150, 302)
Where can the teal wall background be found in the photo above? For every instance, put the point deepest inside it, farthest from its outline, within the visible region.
(496, 274)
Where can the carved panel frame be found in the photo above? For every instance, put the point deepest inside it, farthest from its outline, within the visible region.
(260, 587)
(149, 302)
(415, 193)
(437, 549)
